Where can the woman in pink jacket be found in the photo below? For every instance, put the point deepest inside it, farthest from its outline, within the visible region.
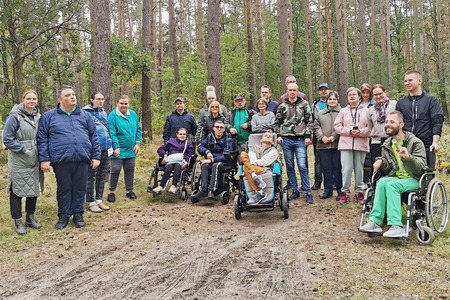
(352, 126)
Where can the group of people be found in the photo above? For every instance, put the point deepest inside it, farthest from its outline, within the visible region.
(342, 138)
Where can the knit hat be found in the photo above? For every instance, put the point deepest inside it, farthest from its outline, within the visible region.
(211, 94)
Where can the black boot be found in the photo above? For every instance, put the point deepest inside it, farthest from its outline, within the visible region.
(30, 222)
(20, 229)
(78, 220)
(63, 220)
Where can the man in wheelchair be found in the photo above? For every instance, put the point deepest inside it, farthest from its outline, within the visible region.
(256, 162)
(403, 159)
(217, 149)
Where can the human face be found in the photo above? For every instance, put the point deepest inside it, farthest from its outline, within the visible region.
(265, 93)
(123, 104)
(353, 98)
(267, 138)
(323, 92)
(379, 95)
(214, 108)
(182, 135)
(67, 99)
(30, 101)
(210, 100)
(393, 125)
(413, 83)
(262, 106)
(219, 129)
(180, 105)
(98, 101)
(239, 103)
(365, 95)
(332, 102)
(292, 91)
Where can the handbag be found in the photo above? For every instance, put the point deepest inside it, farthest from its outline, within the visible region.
(177, 157)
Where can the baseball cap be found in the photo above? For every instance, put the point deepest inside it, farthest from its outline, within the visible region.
(239, 97)
(324, 85)
(180, 99)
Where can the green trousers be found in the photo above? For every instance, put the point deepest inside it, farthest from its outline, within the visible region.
(387, 199)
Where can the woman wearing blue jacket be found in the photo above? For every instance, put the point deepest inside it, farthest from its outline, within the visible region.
(97, 177)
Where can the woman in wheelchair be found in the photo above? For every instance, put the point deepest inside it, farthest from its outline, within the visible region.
(176, 153)
(216, 148)
(403, 158)
(255, 163)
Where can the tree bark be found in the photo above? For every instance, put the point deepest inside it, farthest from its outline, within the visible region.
(161, 47)
(321, 62)
(330, 49)
(200, 30)
(262, 69)
(214, 65)
(383, 43)
(355, 54)
(250, 49)
(372, 42)
(173, 46)
(362, 40)
(342, 53)
(181, 16)
(146, 97)
(283, 33)
(440, 61)
(388, 46)
(308, 50)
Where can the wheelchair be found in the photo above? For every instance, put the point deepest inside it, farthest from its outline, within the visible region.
(428, 206)
(185, 179)
(276, 196)
(227, 181)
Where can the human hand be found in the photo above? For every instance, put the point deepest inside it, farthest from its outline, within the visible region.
(233, 130)
(377, 165)
(244, 126)
(45, 166)
(116, 152)
(435, 147)
(308, 142)
(206, 161)
(95, 163)
(209, 155)
(325, 140)
(403, 152)
(184, 166)
(136, 148)
(280, 140)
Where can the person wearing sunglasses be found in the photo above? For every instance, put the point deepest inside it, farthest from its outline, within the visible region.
(205, 125)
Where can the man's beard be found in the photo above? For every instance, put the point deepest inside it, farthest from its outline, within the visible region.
(393, 131)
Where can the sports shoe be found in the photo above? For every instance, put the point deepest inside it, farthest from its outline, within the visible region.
(325, 195)
(211, 195)
(309, 199)
(198, 196)
(158, 189)
(258, 196)
(111, 197)
(338, 197)
(396, 232)
(316, 186)
(173, 189)
(288, 186)
(343, 198)
(103, 206)
(359, 197)
(63, 221)
(259, 182)
(371, 227)
(78, 220)
(294, 195)
(131, 195)
(94, 208)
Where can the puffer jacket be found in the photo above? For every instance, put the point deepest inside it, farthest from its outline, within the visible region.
(414, 165)
(205, 126)
(377, 130)
(100, 118)
(204, 111)
(66, 138)
(324, 126)
(174, 145)
(19, 135)
(219, 148)
(294, 119)
(344, 120)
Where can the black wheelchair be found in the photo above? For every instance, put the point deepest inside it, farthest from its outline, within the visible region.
(428, 206)
(185, 179)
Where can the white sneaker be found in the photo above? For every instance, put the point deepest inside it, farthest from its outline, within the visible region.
(259, 181)
(158, 189)
(396, 232)
(103, 206)
(173, 189)
(371, 227)
(94, 208)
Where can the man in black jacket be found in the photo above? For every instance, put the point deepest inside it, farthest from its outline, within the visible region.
(177, 119)
(423, 115)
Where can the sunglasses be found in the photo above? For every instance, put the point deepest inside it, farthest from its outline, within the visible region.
(214, 107)
(219, 127)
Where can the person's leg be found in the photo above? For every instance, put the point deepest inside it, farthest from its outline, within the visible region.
(64, 188)
(15, 205)
(288, 151)
(300, 154)
(176, 174)
(79, 175)
(116, 166)
(431, 157)
(318, 171)
(379, 201)
(30, 205)
(91, 184)
(325, 155)
(248, 169)
(206, 172)
(215, 176)
(347, 169)
(128, 172)
(167, 172)
(102, 171)
(337, 169)
(394, 188)
(358, 164)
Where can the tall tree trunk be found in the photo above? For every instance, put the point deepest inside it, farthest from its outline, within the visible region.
(146, 97)
(200, 31)
(388, 47)
(181, 16)
(121, 19)
(214, 71)
(362, 40)
(426, 65)
(101, 23)
(283, 32)
(262, 69)
(153, 45)
(130, 24)
(343, 58)
(161, 47)
(173, 46)
(440, 61)
(321, 62)
(250, 49)
(308, 50)
(355, 45)
(291, 31)
(330, 50)
(383, 42)
(372, 41)
(417, 33)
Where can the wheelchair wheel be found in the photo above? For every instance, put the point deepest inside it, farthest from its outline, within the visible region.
(285, 205)
(225, 197)
(427, 237)
(153, 181)
(195, 176)
(237, 211)
(436, 206)
(184, 193)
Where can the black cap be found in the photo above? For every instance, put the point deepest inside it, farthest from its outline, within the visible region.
(180, 99)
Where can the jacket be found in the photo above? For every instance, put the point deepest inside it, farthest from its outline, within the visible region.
(100, 118)
(414, 165)
(219, 148)
(64, 138)
(324, 126)
(174, 145)
(204, 111)
(343, 123)
(238, 118)
(377, 130)
(205, 126)
(262, 123)
(294, 119)
(126, 132)
(175, 121)
(264, 157)
(19, 135)
(273, 105)
(422, 116)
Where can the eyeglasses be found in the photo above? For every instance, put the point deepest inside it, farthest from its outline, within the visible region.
(214, 107)
(219, 127)
(378, 95)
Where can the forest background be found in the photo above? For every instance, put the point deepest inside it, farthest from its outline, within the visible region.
(156, 50)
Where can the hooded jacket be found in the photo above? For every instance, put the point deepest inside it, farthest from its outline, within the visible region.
(294, 120)
(174, 145)
(219, 148)
(100, 118)
(324, 126)
(176, 121)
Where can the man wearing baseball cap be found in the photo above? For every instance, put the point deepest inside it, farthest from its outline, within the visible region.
(240, 121)
(177, 119)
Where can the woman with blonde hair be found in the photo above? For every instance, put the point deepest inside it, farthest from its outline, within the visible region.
(206, 125)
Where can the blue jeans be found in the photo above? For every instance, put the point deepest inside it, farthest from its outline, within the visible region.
(295, 147)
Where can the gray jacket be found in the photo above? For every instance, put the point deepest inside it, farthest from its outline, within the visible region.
(324, 126)
(264, 157)
(262, 123)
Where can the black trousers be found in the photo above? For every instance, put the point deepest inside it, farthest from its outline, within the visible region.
(15, 204)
